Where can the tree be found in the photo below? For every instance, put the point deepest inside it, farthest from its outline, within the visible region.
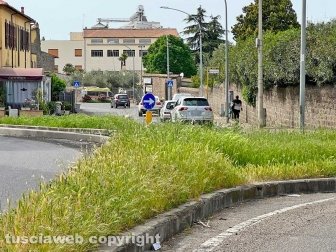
(69, 68)
(57, 85)
(278, 15)
(123, 59)
(213, 35)
(180, 58)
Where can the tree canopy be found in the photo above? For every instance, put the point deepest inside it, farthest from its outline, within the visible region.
(180, 58)
(278, 15)
(211, 31)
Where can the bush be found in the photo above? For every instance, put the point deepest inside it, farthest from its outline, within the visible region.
(52, 107)
(66, 105)
(87, 98)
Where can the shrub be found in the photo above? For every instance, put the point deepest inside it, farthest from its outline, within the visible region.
(66, 105)
(87, 98)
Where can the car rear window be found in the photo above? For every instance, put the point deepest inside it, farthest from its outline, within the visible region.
(195, 102)
(169, 104)
(122, 97)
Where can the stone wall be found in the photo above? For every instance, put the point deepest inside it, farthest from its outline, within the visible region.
(159, 84)
(47, 61)
(282, 105)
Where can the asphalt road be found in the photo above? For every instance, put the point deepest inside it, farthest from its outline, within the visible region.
(290, 223)
(24, 162)
(105, 108)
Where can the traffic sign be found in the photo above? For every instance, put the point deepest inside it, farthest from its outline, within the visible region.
(76, 84)
(170, 83)
(148, 101)
(214, 71)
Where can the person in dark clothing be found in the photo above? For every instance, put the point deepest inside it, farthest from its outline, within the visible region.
(236, 106)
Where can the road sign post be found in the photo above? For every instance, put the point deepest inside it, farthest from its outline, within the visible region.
(148, 103)
(210, 70)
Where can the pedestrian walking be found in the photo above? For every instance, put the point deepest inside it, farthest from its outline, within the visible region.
(236, 106)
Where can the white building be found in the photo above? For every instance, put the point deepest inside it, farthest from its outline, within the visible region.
(100, 47)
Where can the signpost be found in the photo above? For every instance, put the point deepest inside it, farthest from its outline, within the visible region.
(148, 103)
(211, 70)
(76, 84)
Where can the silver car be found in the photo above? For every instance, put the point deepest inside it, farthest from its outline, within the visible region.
(166, 109)
(192, 109)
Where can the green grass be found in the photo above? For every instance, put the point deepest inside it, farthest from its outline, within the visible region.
(144, 171)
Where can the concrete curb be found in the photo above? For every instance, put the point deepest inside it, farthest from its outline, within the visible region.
(35, 132)
(77, 130)
(175, 221)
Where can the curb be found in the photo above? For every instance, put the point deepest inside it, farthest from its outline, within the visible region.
(77, 130)
(37, 132)
(176, 220)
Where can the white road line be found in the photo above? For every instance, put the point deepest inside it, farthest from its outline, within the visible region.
(212, 243)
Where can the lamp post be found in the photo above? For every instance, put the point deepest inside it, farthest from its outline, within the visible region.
(261, 118)
(141, 46)
(200, 31)
(133, 72)
(303, 66)
(226, 65)
(169, 88)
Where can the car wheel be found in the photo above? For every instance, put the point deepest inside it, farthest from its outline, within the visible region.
(111, 106)
(116, 106)
(140, 113)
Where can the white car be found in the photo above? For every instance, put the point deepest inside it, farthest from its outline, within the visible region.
(156, 109)
(192, 109)
(180, 95)
(166, 109)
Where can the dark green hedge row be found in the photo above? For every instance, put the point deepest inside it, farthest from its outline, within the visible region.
(281, 59)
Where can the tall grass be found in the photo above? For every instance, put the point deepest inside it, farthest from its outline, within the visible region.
(143, 171)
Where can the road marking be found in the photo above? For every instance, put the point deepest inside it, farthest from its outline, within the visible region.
(214, 242)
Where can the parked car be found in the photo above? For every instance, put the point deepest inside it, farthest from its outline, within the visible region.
(166, 109)
(156, 109)
(180, 95)
(120, 100)
(192, 109)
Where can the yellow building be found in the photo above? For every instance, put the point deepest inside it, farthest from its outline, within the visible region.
(15, 40)
(20, 72)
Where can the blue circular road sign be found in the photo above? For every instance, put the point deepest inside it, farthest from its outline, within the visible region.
(148, 101)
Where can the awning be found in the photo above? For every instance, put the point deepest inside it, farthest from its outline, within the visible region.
(21, 74)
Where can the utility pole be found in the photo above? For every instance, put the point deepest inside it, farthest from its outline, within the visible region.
(226, 66)
(261, 118)
(303, 66)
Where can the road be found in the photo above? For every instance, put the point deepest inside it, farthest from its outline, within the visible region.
(290, 223)
(25, 162)
(105, 108)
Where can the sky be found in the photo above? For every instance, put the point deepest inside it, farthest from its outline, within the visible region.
(58, 18)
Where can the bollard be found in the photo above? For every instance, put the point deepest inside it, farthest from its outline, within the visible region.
(149, 117)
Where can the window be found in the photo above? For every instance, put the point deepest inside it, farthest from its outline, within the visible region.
(129, 41)
(142, 53)
(112, 53)
(145, 41)
(96, 41)
(53, 52)
(15, 37)
(195, 102)
(130, 53)
(78, 52)
(56, 68)
(97, 53)
(78, 67)
(113, 41)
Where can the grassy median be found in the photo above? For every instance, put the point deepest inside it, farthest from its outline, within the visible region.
(143, 171)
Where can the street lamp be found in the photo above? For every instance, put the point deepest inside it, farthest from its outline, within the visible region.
(261, 118)
(169, 88)
(141, 46)
(303, 66)
(226, 65)
(133, 72)
(200, 31)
